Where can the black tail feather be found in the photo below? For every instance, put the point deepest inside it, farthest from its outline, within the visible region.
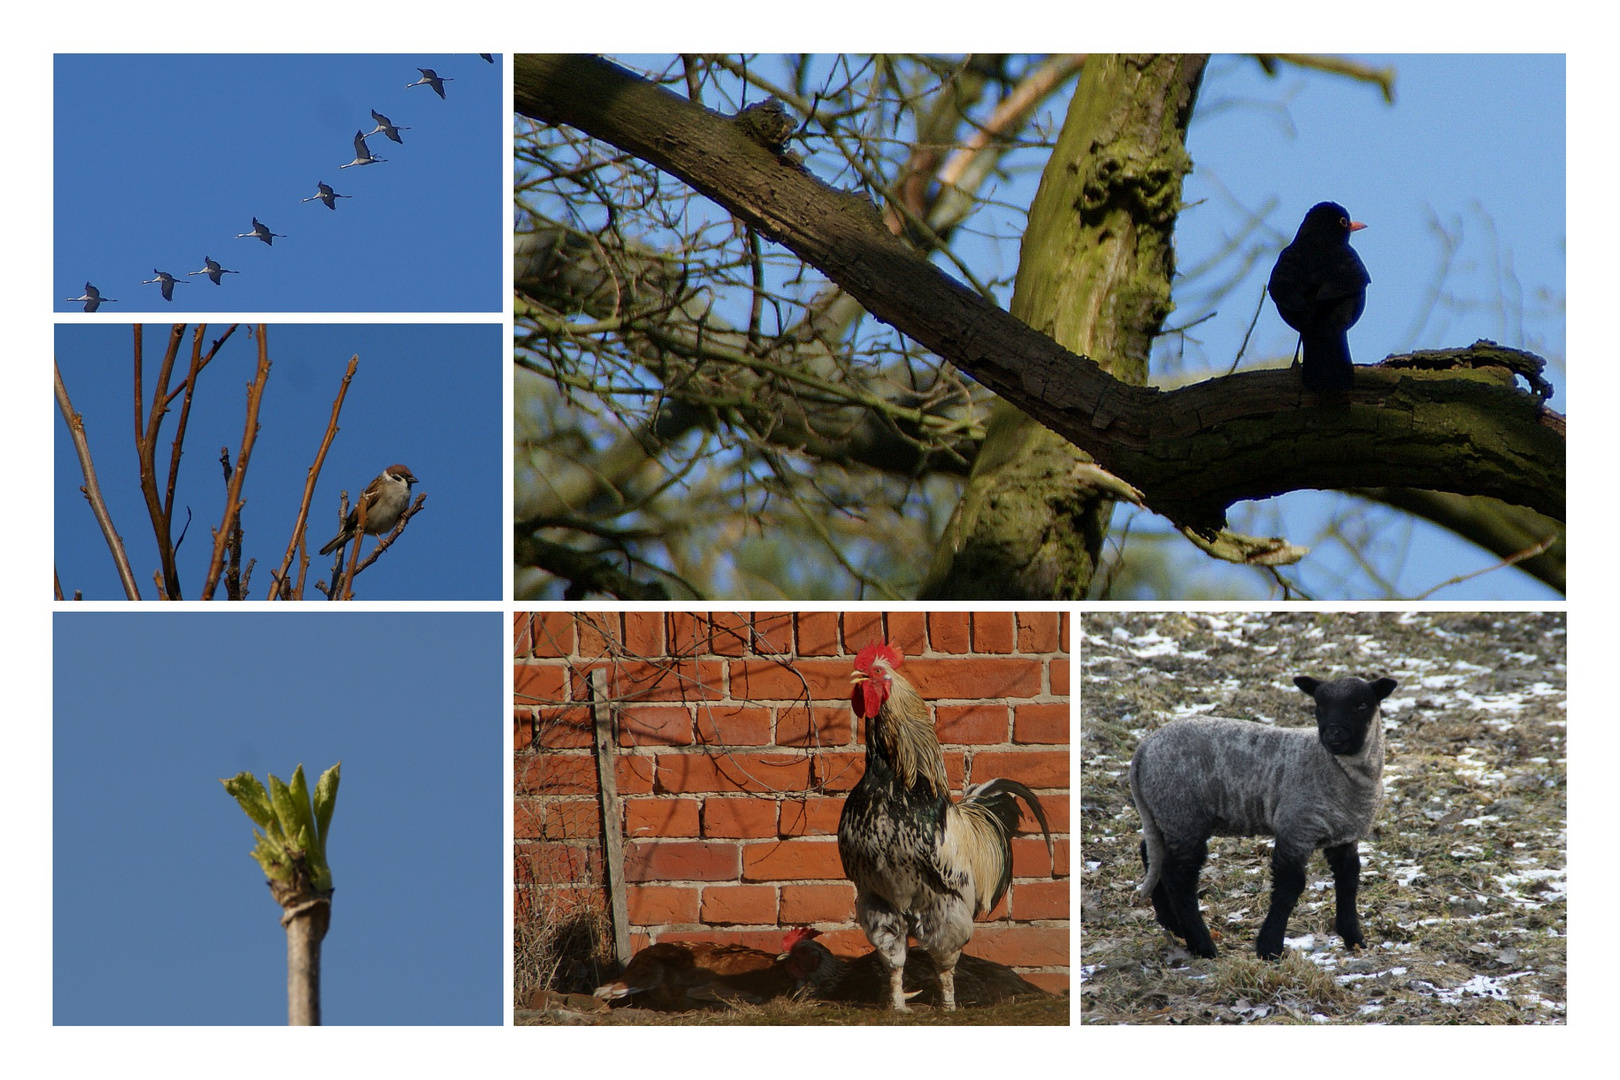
(1000, 798)
(1327, 365)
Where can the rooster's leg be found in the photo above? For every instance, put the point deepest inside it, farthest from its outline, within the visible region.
(897, 990)
(887, 931)
(947, 989)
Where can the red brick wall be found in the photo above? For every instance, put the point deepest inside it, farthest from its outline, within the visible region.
(735, 746)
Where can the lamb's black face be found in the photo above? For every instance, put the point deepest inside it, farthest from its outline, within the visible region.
(1345, 710)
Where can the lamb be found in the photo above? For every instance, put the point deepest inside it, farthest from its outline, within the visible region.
(1310, 789)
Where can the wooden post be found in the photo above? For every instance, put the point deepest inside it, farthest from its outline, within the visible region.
(612, 818)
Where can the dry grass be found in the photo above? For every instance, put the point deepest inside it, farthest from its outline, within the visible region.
(560, 950)
(1024, 1011)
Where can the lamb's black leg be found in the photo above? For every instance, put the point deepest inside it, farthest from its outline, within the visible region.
(1346, 863)
(1177, 908)
(1161, 902)
(1287, 882)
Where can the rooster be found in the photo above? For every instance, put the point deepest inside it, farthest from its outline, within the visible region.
(922, 865)
(677, 975)
(865, 979)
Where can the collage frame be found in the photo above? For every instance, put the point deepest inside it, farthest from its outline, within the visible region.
(1467, 724)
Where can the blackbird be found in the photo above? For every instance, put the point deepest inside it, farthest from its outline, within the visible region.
(1320, 288)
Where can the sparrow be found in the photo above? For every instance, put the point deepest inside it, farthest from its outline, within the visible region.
(1320, 289)
(385, 499)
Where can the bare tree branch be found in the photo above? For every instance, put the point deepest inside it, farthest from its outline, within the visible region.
(92, 491)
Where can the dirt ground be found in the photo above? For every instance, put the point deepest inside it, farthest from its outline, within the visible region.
(1463, 878)
(1025, 1011)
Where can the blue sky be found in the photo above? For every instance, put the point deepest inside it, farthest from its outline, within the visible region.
(163, 159)
(160, 914)
(425, 396)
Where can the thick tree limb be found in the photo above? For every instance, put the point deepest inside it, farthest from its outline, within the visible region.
(1192, 451)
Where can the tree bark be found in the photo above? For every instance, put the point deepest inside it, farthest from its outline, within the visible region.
(306, 929)
(1098, 258)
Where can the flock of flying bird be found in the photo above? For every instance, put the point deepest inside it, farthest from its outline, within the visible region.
(92, 297)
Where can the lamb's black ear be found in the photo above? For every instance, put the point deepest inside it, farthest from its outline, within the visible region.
(1382, 687)
(1308, 684)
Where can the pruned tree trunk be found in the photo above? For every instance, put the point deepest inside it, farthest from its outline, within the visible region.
(306, 922)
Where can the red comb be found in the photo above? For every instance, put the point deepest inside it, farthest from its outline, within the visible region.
(796, 935)
(877, 650)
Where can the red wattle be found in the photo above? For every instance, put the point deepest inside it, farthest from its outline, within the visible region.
(867, 698)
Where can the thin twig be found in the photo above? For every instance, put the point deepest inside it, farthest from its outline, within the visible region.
(1517, 557)
(233, 496)
(296, 542)
(92, 490)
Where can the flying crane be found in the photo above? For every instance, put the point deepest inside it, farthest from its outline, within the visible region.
(92, 298)
(386, 127)
(167, 280)
(325, 194)
(362, 152)
(261, 231)
(212, 269)
(430, 78)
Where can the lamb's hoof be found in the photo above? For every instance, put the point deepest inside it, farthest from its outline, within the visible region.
(1201, 951)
